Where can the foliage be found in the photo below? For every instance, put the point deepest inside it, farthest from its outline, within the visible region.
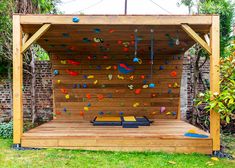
(6, 130)
(51, 158)
(225, 8)
(223, 102)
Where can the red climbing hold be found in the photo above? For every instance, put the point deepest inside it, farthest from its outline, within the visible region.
(72, 73)
(173, 73)
(137, 91)
(73, 62)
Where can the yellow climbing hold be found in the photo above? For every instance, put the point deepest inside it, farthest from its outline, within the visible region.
(67, 96)
(168, 113)
(120, 77)
(108, 67)
(192, 131)
(86, 108)
(153, 113)
(90, 77)
(136, 104)
(95, 82)
(176, 85)
(63, 61)
(58, 81)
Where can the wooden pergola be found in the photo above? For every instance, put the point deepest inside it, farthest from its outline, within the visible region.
(28, 29)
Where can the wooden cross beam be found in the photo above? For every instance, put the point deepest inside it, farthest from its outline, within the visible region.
(196, 37)
(35, 37)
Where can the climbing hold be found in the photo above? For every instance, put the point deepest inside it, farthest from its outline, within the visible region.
(126, 44)
(174, 113)
(169, 91)
(125, 49)
(67, 96)
(96, 30)
(58, 81)
(98, 40)
(131, 77)
(90, 76)
(84, 76)
(161, 67)
(110, 76)
(100, 97)
(121, 113)
(86, 40)
(169, 85)
(154, 113)
(162, 109)
(89, 57)
(101, 113)
(63, 61)
(119, 42)
(151, 85)
(84, 85)
(111, 30)
(120, 77)
(72, 73)
(88, 95)
(124, 68)
(136, 104)
(168, 113)
(145, 86)
(76, 19)
(83, 99)
(95, 82)
(56, 72)
(153, 95)
(81, 113)
(176, 85)
(72, 62)
(105, 57)
(109, 95)
(65, 109)
(86, 108)
(135, 59)
(74, 85)
(108, 67)
(122, 104)
(131, 87)
(78, 86)
(64, 91)
(66, 35)
(98, 67)
(173, 74)
(115, 67)
(58, 113)
(137, 91)
(142, 76)
(103, 86)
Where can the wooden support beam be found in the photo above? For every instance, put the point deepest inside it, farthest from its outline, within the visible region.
(35, 37)
(196, 37)
(17, 81)
(214, 80)
(25, 38)
(117, 19)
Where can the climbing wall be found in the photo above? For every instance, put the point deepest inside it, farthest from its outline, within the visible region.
(92, 85)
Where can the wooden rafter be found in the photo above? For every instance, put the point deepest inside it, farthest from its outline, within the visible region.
(196, 37)
(35, 37)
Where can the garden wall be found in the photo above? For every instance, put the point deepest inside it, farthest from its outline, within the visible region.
(43, 97)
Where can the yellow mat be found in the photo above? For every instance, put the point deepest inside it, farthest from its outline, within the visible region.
(129, 118)
(108, 119)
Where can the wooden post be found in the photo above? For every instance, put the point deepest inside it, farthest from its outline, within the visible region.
(17, 81)
(214, 79)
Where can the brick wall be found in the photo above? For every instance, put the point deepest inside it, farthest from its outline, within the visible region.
(43, 97)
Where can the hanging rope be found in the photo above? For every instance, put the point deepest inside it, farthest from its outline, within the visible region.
(152, 85)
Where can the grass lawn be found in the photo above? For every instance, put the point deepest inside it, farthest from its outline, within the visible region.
(49, 158)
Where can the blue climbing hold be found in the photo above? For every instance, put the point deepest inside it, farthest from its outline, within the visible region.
(96, 30)
(56, 72)
(121, 113)
(65, 35)
(76, 19)
(101, 113)
(174, 113)
(135, 59)
(85, 76)
(152, 85)
(89, 105)
(161, 67)
(64, 109)
(169, 91)
(98, 67)
(144, 82)
(78, 85)
(84, 85)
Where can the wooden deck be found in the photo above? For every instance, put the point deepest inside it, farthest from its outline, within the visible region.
(162, 135)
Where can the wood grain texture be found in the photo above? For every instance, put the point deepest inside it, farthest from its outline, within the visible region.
(17, 81)
(162, 135)
(215, 80)
(117, 97)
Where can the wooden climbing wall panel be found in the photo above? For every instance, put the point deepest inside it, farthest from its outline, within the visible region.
(99, 88)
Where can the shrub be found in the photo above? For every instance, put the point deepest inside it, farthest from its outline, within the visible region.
(6, 130)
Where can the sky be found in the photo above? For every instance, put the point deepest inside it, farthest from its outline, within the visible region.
(117, 7)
